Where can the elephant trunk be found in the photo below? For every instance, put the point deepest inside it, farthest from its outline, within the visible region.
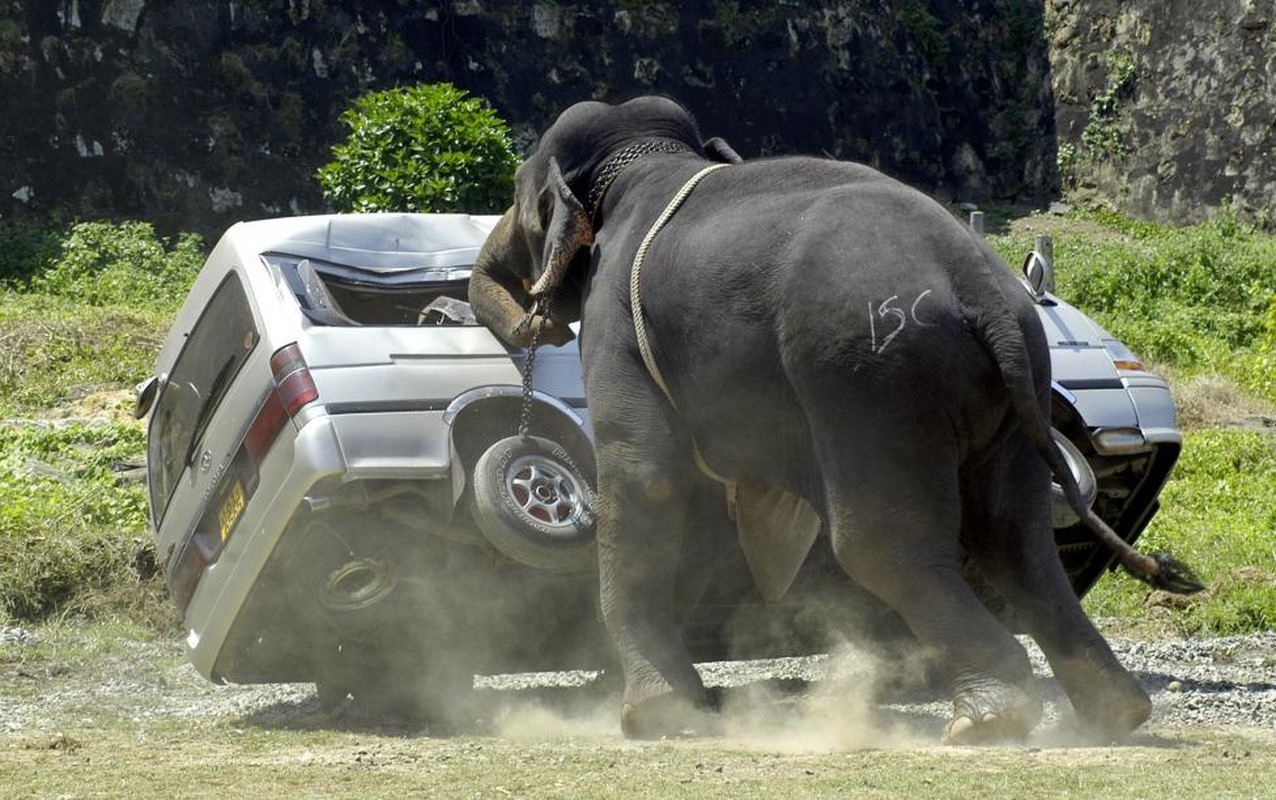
(498, 289)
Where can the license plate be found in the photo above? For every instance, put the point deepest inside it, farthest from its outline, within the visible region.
(232, 507)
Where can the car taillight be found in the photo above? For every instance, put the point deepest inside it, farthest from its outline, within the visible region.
(187, 569)
(294, 388)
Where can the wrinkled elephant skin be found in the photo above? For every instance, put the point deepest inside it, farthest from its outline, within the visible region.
(826, 331)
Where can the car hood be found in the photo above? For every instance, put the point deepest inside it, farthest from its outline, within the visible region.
(1078, 357)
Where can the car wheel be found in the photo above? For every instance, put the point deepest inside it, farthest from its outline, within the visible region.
(532, 501)
(1062, 513)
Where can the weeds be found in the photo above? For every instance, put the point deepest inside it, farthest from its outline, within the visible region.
(104, 263)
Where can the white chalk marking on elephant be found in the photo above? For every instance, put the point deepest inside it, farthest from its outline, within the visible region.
(912, 312)
(886, 309)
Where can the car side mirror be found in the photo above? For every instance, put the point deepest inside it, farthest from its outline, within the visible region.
(1038, 267)
(1037, 271)
(145, 391)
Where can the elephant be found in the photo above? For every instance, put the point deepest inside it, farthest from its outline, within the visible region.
(850, 362)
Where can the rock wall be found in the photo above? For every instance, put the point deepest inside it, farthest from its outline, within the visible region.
(1167, 109)
(197, 113)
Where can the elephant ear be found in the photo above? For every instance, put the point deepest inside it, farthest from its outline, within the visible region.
(569, 230)
(718, 150)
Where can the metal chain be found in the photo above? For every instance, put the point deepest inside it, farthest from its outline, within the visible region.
(529, 361)
(617, 164)
(525, 414)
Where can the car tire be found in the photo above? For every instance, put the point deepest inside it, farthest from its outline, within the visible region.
(1062, 514)
(533, 503)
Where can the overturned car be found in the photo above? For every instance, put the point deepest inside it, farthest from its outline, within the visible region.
(353, 483)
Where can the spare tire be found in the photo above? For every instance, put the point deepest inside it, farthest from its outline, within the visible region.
(533, 503)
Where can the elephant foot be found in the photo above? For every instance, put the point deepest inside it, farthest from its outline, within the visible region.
(1111, 707)
(666, 716)
(992, 712)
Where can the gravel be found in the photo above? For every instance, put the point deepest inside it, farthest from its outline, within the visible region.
(1217, 682)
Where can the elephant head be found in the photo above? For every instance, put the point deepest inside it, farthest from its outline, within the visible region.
(539, 249)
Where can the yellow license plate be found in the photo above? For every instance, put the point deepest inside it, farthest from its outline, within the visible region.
(231, 508)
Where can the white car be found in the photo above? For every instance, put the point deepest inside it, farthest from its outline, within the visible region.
(341, 490)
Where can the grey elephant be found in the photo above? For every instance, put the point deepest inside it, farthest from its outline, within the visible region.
(841, 355)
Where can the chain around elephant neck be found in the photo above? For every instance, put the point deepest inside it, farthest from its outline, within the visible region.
(617, 163)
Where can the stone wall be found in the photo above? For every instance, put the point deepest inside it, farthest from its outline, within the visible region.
(197, 113)
(1165, 109)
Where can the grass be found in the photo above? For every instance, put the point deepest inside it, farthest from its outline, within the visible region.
(1199, 299)
(207, 760)
(1218, 514)
(73, 536)
(55, 351)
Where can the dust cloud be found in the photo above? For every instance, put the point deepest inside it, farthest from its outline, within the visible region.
(843, 711)
(844, 701)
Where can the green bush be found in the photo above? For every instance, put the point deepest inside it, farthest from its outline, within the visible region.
(27, 246)
(427, 148)
(126, 263)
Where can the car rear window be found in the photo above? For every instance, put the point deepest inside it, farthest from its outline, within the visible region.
(340, 294)
(216, 348)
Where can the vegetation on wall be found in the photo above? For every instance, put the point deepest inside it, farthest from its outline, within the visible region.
(1103, 136)
(428, 147)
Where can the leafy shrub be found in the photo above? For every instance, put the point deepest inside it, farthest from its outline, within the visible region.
(68, 527)
(27, 246)
(426, 148)
(126, 263)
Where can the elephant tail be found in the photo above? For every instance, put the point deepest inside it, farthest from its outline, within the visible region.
(1002, 335)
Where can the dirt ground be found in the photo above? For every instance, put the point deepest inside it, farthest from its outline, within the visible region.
(88, 712)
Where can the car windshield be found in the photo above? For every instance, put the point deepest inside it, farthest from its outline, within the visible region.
(217, 347)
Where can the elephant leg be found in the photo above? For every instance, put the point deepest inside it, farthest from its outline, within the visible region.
(646, 480)
(895, 521)
(1013, 545)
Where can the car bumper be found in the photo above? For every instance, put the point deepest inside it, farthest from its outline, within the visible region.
(350, 446)
(226, 584)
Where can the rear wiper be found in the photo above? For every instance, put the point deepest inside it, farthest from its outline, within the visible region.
(205, 406)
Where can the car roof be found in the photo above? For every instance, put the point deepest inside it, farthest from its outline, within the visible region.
(383, 243)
